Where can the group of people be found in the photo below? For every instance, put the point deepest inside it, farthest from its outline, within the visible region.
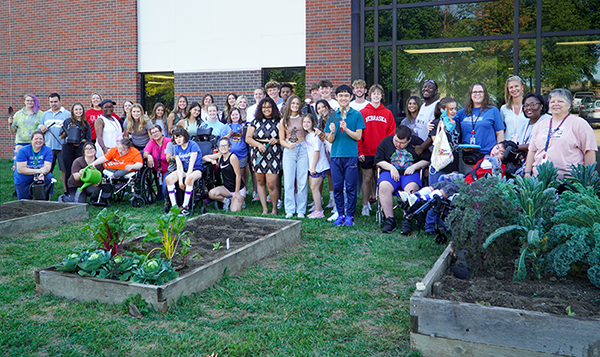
(337, 134)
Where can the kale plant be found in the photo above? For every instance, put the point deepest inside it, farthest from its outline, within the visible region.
(585, 175)
(575, 240)
(481, 208)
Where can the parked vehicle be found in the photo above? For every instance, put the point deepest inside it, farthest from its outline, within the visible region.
(577, 98)
(593, 116)
(587, 105)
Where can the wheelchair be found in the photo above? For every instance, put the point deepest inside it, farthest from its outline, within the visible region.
(206, 143)
(140, 187)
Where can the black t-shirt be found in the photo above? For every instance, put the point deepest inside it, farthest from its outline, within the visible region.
(401, 159)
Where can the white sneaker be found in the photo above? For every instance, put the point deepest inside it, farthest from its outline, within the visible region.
(366, 210)
(300, 215)
(226, 203)
(331, 203)
(279, 204)
(407, 197)
(289, 215)
(333, 217)
(243, 204)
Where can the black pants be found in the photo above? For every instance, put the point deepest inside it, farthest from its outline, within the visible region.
(70, 153)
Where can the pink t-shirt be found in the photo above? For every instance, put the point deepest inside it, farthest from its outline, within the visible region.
(155, 151)
(567, 145)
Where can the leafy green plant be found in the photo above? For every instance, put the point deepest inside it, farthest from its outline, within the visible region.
(69, 263)
(169, 234)
(536, 202)
(217, 246)
(90, 264)
(548, 175)
(575, 239)
(154, 271)
(585, 175)
(481, 208)
(119, 267)
(109, 230)
(136, 300)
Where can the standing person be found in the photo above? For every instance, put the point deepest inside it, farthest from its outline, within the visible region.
(325, 91)
(93, 113)
(379, 123)
(126, 108)
(229, 103)
(137, 126)
(242, 104)
(272, 88)
(189, 168)
(108, 130)
(453, 134)
(344, 135)
(413, 105)
(565, 139)
(237, 139)
(359, 89)
(311, 102)
(33, 162)
(425, 115)
(25, 121)
(179, 112)
(159, 117)
(480, 123)
(259, 94)
(512, 111)
(534, 109)
(218, 129)
(263, 136)
(51, 125)
(286, 90)
(74, 181)
(295, 158)
(192, 120)
(318, 162)
(233, 191)
(76, 133)
(325, 112)
(206, 100)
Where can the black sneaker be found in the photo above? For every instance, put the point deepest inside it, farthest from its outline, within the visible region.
(406, 227)
(185, 211)
(389, 226)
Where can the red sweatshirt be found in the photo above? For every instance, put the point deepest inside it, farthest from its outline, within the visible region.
(379, 123)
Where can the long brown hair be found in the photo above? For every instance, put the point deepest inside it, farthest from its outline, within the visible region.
(287, 110)
(469, 102)
(82, 120)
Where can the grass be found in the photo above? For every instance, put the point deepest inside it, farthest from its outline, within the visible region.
(338, 292)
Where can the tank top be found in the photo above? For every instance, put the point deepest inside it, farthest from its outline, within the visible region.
(192, 129)
(111, 134)
(228, 174)
(294, 131)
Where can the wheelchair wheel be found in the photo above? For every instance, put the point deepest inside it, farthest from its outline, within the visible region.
(137, 202)
(148, 186)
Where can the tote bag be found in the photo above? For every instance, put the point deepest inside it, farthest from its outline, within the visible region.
(442, 151)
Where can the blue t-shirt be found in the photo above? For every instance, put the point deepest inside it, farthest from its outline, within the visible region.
(238, 142)
(344, 145)
(34, 161)
(218, 129)
(184, 155)
(485, 124)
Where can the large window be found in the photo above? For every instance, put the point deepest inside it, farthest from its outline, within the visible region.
(158, 88)
(459, 42)
(293, 75)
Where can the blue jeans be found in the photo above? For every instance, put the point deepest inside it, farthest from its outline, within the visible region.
(344, 173)
(432, 220)
(295, 169)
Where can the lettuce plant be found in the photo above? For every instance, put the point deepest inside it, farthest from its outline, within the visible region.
(109, 230)
(169, 234)
(154, 271)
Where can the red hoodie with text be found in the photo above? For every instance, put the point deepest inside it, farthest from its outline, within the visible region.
(379, 123)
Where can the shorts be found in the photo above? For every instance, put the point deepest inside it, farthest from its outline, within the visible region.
(243, 192)
(243, 161)
(318, 174)
(369, 163)
(400, 184)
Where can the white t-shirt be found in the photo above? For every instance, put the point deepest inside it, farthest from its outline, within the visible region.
(333, 104)
(513, 122)
(313, 143)
(423, 118)
(358, 106)
(250, 111)
(524, 130)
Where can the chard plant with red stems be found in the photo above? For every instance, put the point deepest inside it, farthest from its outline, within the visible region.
(109, 230)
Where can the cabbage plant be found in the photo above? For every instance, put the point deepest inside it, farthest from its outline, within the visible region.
(154, 271)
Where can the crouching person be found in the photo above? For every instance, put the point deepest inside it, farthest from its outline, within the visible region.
(33, 163)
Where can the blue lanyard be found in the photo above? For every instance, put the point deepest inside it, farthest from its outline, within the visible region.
(551, 133)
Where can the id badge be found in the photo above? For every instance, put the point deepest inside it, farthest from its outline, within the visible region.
(472, 140)
(544, 160)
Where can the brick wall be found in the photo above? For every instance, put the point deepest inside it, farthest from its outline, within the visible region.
(64, 46)
(328, 41)
(195, 85)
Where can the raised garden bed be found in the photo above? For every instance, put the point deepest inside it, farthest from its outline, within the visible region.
(22, 216)
(250, 239)
(451, 328)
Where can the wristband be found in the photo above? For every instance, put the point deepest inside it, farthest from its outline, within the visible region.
(527, 172)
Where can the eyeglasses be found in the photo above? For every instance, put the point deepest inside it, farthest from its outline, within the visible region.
(530, 106)
(224, 146)
(89, 149)
(477, 92)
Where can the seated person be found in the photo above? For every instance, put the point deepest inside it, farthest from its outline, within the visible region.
(33, 162)
(233, 190)
(400, 166)
(156, 156)
(74, 182)
(189, 167)
(495, 163)
(120, 160)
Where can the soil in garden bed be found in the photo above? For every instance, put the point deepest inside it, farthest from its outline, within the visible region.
(549, 294)
(206, 231)
(17, 211)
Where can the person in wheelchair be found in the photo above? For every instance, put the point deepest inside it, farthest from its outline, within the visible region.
(189, 168)
(33, 163)
(120, 160)
(400, 171)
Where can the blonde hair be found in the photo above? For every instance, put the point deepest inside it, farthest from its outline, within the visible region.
(507, 97)
(141, 124)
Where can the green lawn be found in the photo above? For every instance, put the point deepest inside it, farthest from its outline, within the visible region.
(338, 292)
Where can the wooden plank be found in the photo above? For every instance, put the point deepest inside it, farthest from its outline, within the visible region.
(437, 347)
(436, 273)
(534, 331)
(59, 214)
